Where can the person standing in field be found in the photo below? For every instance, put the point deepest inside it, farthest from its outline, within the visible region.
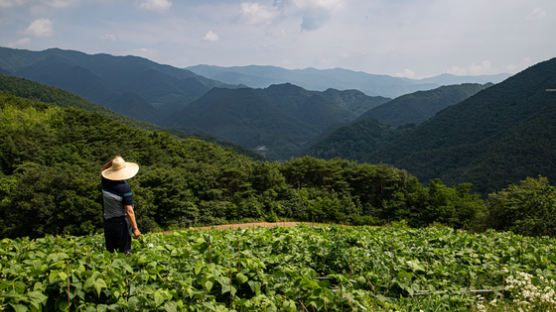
(119, 218)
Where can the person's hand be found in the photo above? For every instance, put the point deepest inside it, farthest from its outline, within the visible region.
(136, 233)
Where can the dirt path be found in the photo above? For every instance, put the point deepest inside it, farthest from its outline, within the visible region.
(247, 225)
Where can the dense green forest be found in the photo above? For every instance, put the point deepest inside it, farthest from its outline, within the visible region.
(358, 140)
(284, 118)
(51, 157)
(414, 108)
(497, 137)
(51, 95)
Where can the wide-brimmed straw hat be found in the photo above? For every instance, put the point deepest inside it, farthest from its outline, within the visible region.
(120, 170)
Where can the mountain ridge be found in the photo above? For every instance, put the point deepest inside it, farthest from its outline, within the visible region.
(106, 79)
(421, 105)
(496, 137)
(261, 76)
(283, 118)
(35, 91)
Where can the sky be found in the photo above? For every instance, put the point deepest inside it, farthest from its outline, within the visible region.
(409, 38)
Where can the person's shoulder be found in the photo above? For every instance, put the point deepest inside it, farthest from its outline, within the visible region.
(125, 188)
(119, 187)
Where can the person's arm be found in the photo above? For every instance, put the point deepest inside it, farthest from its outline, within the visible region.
(131, 218)
(106, 165)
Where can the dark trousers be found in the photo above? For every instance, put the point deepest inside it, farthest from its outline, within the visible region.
(117, 233)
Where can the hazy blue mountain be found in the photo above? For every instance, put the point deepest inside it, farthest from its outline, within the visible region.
(421, 105)
(342, 79)
(280, 120)
(497, 137)
(130, 85)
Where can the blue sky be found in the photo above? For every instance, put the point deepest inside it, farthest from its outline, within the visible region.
(411, 38)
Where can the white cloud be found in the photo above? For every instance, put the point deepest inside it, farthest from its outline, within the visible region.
(143, 52)
(314, 13)
(211, 36)
(156, 5)
(11, 3)
(537, 13)
(483, 68)
(59, 4)
(486, 68)
(253, 13)
(521, 65)
(407, 73)
(18, 43)
(41, 27)
(110, 37)
(324, 4)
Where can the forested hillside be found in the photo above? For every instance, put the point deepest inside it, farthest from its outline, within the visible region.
(35, 91)
(177, 98)
(417, 107)
(129, 85)
(357, 141)
(497, 137)
(51, 157)
(282, 119)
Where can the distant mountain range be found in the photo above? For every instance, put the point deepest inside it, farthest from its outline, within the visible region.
(130, 85)
(278, 121)
(490, 135)
(314, 79)
(498, 136)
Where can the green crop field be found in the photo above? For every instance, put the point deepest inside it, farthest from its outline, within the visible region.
(321, 268)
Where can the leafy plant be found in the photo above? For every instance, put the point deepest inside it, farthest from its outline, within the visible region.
(323, 268)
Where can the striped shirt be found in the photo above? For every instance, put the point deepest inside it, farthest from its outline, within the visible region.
(115, 196)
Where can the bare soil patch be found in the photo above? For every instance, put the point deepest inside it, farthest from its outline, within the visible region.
(248, 225)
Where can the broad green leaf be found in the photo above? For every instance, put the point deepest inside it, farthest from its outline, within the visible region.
(99, 284)
(19, 307)
(208, 285)
(19, 287)
(133, 304)
(198, 267)
(403, 275)
(37, 298)
(255, 287)
(241, 278)
(159, 297)
(415, 265)
(170, 307)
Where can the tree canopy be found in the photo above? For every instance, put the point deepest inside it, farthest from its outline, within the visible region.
(50, 182)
